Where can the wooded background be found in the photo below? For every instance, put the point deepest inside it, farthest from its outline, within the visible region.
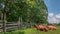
(28, 11)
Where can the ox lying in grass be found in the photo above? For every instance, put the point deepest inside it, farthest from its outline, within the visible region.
(45, 28)
(41, 27)
(51, 27)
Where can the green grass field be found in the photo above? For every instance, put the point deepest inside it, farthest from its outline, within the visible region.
(34, 31)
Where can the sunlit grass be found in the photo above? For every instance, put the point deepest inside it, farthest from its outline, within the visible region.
(34, 31)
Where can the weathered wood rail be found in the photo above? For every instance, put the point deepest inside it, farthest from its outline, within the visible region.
(9, 26)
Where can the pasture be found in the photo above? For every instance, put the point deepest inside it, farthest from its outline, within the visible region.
(34, 31)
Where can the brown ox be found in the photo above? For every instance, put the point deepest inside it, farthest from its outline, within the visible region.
(41, 27)
(51, 27)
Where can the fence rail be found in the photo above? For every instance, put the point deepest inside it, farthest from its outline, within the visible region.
(9, 26)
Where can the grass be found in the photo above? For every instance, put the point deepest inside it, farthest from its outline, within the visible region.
(34, 31)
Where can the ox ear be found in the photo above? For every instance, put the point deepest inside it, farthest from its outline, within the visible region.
(35, 24)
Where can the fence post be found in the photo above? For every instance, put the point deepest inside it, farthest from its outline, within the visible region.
(19, 23)
(4, 23)
(1, 16)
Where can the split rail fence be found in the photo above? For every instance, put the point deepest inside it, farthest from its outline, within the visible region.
(9, 26)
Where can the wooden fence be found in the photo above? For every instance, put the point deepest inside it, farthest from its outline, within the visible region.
(9, 26)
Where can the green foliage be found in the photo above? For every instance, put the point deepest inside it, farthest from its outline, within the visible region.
(28, 10)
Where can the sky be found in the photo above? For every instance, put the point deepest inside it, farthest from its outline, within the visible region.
(53, 10)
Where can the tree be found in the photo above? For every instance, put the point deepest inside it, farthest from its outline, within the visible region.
(27, 10)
